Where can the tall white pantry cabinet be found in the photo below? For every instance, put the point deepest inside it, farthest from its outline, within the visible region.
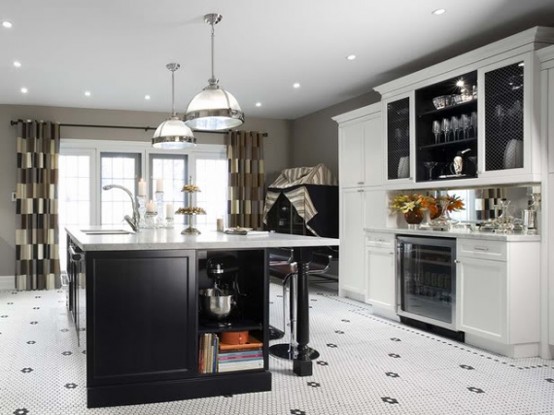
(362, 199)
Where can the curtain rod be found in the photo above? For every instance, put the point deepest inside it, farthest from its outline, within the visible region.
(126, 127)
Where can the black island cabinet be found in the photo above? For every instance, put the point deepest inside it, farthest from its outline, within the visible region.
(144, 324)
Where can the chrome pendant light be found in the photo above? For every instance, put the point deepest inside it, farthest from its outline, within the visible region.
(213, 108)
(173, 134)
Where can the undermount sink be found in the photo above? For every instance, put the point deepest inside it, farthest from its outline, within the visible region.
(106, 231)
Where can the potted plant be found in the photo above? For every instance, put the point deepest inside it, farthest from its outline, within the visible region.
(411, 206)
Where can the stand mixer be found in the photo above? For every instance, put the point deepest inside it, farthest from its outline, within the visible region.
(220, 301)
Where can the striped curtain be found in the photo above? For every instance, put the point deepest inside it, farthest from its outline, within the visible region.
(36, 236)
(246, 179)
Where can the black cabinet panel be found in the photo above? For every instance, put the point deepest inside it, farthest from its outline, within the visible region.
(142, 316)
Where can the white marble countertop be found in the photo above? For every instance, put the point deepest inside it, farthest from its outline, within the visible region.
(458, 234)
(161, 239)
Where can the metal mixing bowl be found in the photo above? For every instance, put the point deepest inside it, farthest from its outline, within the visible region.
(218, 303)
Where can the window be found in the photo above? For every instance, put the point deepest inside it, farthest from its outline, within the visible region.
(88, 165)
(122, 169)
(172, 170)
(74, 193)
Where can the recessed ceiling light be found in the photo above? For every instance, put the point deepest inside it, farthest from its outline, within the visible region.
(7, 25)
(438, 12)
(296, 85)
(258, 104)
(147, 97)
(17, 64)
(24, 90)
(351, 57)
(87, 93)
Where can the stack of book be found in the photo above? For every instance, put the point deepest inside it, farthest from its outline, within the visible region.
(208, 351)
(218, 357)
(245, 356)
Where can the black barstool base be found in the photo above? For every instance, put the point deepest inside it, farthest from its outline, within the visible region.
(275, 333)
(285, 351)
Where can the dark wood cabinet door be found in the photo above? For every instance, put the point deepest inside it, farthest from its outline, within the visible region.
(141, 316)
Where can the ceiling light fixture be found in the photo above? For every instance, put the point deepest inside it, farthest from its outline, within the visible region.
(438, 12)
(147, 97)
(296, 85)
(7, 25)
(213, 108)
(87, 93)
(17, 64)
(351, 57)
(24, 90)
(258, 104)
(173, 134)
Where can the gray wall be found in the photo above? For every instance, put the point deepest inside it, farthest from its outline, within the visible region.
(315, 136)
(276, 149)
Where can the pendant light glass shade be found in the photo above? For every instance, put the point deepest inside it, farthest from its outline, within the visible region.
(213, 108)
(173, 134)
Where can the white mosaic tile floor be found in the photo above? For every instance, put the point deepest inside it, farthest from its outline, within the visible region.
(368, 365)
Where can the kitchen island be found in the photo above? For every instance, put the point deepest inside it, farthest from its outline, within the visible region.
(137, 295)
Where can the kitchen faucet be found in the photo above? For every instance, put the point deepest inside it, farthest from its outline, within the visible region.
(134, 221)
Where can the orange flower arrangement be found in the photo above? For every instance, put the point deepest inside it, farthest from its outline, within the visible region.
(454, 203)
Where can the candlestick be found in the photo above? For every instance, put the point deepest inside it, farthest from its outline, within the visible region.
(141, 188)
(160, 207)
(169, 215)
(150, 206)
(159, 185)
(141, 201)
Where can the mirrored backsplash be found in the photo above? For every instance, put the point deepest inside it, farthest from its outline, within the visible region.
(483, 204)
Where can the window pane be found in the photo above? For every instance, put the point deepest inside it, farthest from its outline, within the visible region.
(73, 196)
(212, 178)
(121, 169)
(172, 170)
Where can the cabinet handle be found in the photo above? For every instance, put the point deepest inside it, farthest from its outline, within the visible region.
(360, 190)
(457, 261)
(360, 182)
(481, 248)
(391, 253)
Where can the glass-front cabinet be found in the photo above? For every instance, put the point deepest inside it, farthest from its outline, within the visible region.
(507, 135)
(476, 124)
(398, 139)
(446, 129)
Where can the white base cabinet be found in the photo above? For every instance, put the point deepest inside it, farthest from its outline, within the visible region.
(381, 274)
(351, 234)
(498, 298)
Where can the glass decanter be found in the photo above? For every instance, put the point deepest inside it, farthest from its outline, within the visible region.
(505, 222)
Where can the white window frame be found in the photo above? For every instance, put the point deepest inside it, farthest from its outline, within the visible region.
(95, 147)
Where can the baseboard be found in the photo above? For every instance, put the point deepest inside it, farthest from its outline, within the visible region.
(7, 282)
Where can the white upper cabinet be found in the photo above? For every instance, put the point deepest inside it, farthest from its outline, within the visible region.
(481, 107)
(360, 147)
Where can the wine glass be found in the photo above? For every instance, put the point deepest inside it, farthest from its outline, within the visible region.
(445, 127)
(430, 165)
(473, 123)
(437, 131)
(465, 125)
(454, 126)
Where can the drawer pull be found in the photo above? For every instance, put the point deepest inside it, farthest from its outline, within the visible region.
(360, 182)
(481, 248)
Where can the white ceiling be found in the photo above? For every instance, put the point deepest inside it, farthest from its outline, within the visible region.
(118, 49)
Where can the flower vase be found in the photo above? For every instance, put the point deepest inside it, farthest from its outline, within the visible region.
(413, 218)
(443, 221)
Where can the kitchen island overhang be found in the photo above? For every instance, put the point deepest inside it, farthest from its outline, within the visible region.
(143, 326)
